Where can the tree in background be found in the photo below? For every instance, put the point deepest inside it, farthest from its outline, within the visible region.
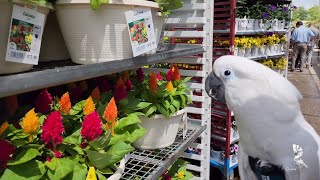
(311, 15)
(300, 14)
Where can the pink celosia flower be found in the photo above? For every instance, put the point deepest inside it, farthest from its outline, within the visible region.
(129, 85)
(43, 102)
(140, 74)
(52, 129)
(6, 153)
(159, 77)
(48, 159)
(57, 154)
(91, 127)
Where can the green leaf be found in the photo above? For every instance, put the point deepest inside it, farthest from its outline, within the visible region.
(172, 109)
(127, 121)
(25, 156)
(52, 164)
(42, 118)
(150, 110)
(183, 99)
(74, 138)
(102, 142)
(176, 104)
(162, 110)
(119, 137)
(106, 170)
(77, 108)
(32, 170)
(136, 134)
(20, 135)
(114, 155)
(64, 166)
(79, 172)
(185, 80)
(100, 176)
(167, 104)
(106, 97)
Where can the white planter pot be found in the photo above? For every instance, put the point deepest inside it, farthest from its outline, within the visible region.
(281, 24)
(5, 20)
(258, 24)
(242, 24)
(247, 52)
(278, 48)
(275, 24)
(262, 50)
(241, 52)
(101, 35)
(254, 51)
(250, 25)
(53, 47)
(161, 131)
(270, 50)
(268, 25)
(234, 158)
(235, 52)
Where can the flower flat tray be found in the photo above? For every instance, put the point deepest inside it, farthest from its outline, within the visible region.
(52, 74)
(151, 164)
(267, 56)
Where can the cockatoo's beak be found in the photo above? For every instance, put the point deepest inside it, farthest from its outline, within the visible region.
(216, 86)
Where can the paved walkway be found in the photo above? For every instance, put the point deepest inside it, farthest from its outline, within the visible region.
(308, 84)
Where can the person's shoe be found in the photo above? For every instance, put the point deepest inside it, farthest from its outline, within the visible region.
(292, 70)
(307, 66)
(301, 70)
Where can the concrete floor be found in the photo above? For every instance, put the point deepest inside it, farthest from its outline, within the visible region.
(308, 84)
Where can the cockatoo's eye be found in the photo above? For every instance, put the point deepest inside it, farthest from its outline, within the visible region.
(227, 72)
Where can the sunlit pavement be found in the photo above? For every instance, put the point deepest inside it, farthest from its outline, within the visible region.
(308, 84)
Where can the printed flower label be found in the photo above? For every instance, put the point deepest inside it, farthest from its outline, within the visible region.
(25, 35)
(141, 30)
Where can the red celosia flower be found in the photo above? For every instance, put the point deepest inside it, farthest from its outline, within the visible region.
(91, 127)
(125, 75)
(169, 74)
(96, 93)
(159, 77)
(140, 74)
(129, 85)
(84, 145)
(153, 84)
(48, 159)
(104, 86)
(57, 154)
(6, 153)
(120, 91)
(76, 93)
(11, 104)
(52, 129)
(176, 74)
(65, 104)
(43, 102)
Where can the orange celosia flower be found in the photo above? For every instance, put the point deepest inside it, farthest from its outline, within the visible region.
(153, 83)
(176, 74)
(107, 126)
(169, 87)
(11, 104)
(96, 93)
(65, 104)
(111, 112)
(125, 75)
(89, 107)
(3, 127)
(84, 85)
(30, 122)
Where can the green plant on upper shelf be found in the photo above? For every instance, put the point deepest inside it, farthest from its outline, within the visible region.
(43, 3)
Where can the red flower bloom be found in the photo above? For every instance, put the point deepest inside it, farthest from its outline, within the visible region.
(169, 75)
(21, 28)
(84, 145)
(129, 85)
(48, 159)
(52, 129)
(140, 74)
(57, 154)
(104, 85)
(76, 93)
(91, 127)
(159, 77)
(43, 102)
(6, 153)
(120, 92)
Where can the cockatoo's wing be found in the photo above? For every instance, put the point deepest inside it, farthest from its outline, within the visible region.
(244, 166)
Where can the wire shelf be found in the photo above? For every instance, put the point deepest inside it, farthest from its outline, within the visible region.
(151, 164)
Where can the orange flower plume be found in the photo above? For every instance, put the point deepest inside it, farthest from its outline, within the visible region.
(3, 127)
(89, 107)
(96, 93)
(153, 83)
(65, 104)
(176, 74)
(169, 87)
(125, 76)
(111, 114)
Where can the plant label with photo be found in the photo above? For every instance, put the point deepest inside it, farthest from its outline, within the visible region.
(25, 35)
(141, 30)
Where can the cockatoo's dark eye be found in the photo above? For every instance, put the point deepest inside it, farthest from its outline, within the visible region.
(227, 72)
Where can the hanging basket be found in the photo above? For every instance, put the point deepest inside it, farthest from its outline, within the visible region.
(5, 20)
(101, 35)
(161, 131)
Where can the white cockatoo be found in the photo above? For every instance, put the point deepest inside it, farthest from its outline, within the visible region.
(269, 119)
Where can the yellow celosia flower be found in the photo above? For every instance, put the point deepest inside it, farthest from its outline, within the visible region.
(3, 127)
(169, 87)
(89, 106)
(180, 175)
(30, 122)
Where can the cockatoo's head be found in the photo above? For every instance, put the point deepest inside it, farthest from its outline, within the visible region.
(237, 81)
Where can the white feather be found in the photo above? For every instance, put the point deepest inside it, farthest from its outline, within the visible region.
(266, 107)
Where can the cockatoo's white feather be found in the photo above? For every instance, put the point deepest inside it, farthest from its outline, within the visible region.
(266, 107)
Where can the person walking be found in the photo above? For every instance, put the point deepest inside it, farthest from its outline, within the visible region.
(301, 36)
(311, 44)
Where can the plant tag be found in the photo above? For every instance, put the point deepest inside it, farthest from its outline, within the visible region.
(141, 30)
(91, 174)
(25, 35)
(185, 125)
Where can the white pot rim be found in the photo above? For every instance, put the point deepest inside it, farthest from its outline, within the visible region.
(160, 116)
(117, 175)
(114, 2)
